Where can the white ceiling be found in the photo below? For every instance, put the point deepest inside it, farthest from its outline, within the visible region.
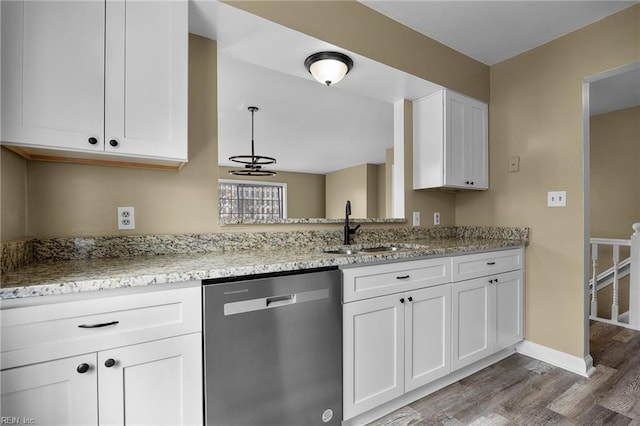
(492, 31)
(313, 128)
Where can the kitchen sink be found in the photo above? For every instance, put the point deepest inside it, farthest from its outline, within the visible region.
(341, 251)
(362, 250)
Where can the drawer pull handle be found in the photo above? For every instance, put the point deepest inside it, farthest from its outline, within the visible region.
(104, 324)
(110, 363)
(403, 277)
(83, 368)
(491, 263)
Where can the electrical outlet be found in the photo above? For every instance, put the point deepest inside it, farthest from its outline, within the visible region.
(126, 218)
(557, 199)
(416, 218)
(436, 218)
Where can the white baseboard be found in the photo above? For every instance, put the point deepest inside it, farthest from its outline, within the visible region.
(575, 364)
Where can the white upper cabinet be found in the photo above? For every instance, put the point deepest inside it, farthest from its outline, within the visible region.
(53, 74)
(87, 77)
(450, 142)
(146, 78)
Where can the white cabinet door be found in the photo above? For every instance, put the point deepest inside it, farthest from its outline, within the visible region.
(466, 146)
(51, 393)
(455, 152)
(53, 74)
(154, 383)
(146, 78)
(427, 335)
(450, 147)
(373, 345)
(509, 309)
(471, 323)
(477, 145)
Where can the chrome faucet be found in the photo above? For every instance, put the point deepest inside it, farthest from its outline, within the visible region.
(347, 230)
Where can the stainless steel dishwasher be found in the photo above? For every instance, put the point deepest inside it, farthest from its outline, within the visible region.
(273, 349)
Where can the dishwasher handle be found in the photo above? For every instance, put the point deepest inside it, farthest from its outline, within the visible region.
(275, 301)
(269, 302)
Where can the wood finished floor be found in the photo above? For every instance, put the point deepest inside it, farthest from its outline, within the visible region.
(523, 391)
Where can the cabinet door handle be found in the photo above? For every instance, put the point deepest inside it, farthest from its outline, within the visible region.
(104, 324)
(113, 142)
(402, 300)
(490, 281)
(410, 299)
(93, 140)
(491, 263)
(110, 363)
(403, 277)
(83, 368)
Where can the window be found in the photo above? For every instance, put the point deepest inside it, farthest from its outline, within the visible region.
(239, 199)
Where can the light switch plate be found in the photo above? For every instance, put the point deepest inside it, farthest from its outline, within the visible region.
(436, 218)
(416, 218)
(557, 199)
(514, 164)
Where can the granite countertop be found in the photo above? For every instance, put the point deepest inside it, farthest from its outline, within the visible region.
(73, 276)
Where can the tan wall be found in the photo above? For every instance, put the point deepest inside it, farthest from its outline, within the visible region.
(615, 173)
(347, 184)
(372, 191)
(615, 179)
(13, 196)
(305, 191)
(536, 113)
(74, 200)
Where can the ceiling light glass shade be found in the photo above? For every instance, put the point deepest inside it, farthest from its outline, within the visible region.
(328, 67)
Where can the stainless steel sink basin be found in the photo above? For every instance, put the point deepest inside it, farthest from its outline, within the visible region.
(378, 249)
(362, 250)
(341, 251)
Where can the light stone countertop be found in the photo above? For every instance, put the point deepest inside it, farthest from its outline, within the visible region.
(73, 276)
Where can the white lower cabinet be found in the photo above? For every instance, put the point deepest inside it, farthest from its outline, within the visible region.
(394, 344)
(400, 338)
(52, 392)
(151, 383)
(131, 358)
(154, 383)
(428, 336)
(487, 316)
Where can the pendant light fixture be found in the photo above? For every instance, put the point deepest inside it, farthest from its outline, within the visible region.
(252, 163)
(328, 67)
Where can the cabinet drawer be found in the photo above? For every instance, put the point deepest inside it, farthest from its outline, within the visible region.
(482, 264)
(55, 330)
(379, 280)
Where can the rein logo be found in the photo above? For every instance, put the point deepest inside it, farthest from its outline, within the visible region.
(6, 420)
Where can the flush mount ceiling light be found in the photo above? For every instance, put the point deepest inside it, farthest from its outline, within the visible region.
(328, 67)
(252, 163)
